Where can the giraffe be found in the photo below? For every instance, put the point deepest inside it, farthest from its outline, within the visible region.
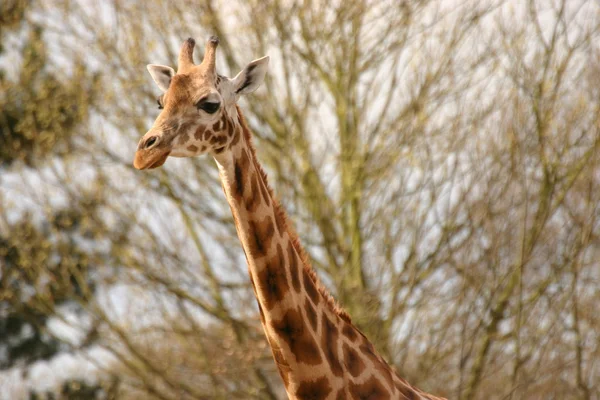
(319, 353)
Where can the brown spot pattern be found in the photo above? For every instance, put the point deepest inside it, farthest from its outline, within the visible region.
(372, 389)
(272, 280)
(224, 123)
(354, 364)
(407, 391)
(341, 395)
(350, 332)
(184, 137)
(263, 189)
(280, 220)
(192, 148)
(230, 126)
(244, 161)
(235, 139)
(292, 330)
(311, 313)
(252, 197)
(199, 132)
(241, 167)
(310, 288)
(293, 264)
(221, 140)
(261, 234)
(329, 345)
(381, 366)
(314, 390)
(186, 126)
(239, 180)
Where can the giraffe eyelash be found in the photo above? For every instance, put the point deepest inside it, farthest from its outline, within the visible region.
(208, 106)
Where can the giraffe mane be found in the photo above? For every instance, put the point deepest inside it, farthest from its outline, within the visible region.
(288, 227)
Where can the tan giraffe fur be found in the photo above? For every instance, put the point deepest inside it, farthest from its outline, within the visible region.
(319, 353)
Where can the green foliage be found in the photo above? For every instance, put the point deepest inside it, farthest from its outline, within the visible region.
(79, 390)
(44, 264)
(12, 14)
(41, 109)
(43, 268)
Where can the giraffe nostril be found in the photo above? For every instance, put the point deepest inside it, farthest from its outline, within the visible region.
(151, 141)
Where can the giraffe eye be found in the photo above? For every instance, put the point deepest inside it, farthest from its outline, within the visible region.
(209, 107)
(160, 106)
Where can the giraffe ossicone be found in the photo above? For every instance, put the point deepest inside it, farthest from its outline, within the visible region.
(317, 350)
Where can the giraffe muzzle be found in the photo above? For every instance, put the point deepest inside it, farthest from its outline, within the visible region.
(150, 159)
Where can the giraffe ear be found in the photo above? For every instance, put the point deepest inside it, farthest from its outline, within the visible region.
(162, 75)
(250, 78)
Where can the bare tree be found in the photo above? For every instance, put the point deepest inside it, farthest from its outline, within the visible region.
(438, 160)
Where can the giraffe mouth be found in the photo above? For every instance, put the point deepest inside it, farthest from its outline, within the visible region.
(149, 161)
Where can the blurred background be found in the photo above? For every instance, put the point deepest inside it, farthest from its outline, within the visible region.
(439, 159)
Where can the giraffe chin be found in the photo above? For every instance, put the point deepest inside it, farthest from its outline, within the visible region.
(140, 162)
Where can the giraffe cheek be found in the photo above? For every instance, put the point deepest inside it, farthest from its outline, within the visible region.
(199, 133)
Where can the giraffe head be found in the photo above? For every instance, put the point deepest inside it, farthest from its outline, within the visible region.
(198, 107)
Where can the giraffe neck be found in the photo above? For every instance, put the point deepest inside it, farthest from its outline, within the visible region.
(317, 350)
